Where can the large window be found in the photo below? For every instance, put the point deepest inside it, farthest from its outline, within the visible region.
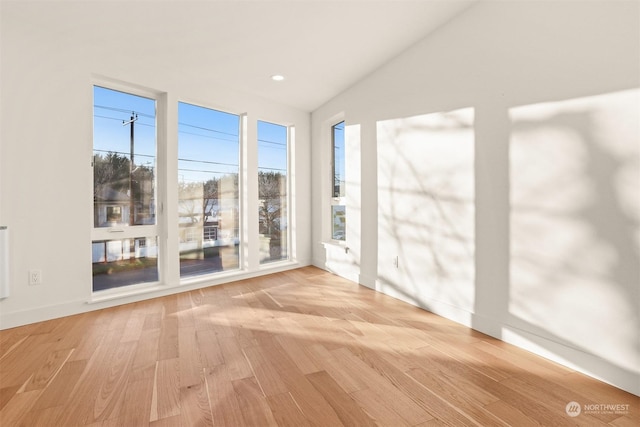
(208, 207)
(200, 175)
(338, 207)
(272, 191)
(124, 236)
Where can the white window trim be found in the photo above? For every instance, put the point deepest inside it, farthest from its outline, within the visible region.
(157, 230)
(242, 190)
(291, 229)
(335, 201)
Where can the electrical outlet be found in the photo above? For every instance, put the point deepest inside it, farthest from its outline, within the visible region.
(35, 277)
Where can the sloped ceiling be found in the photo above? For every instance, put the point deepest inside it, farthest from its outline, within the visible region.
(321, 47)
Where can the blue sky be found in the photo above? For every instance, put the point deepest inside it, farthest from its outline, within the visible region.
(339, 151)
(272, 147)
(111, 108)
(208, 143)
(208, 140)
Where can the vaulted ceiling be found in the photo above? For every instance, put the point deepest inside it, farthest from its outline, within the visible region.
(321, 47)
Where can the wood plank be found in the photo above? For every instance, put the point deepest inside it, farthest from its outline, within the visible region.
(296, 351)
(12, 338)
(6, 394)
(286, 411)
(510, 415)
(119, 317)
(174, 421)
(553, 396)
(136, 406)
(94, 334)
(18, 407)
(524, 359)
(166, 390)
(225, 409)
(465, 399)
(311, 402)
(487, 364)
(377, 408)
(254, 406)
(348, 379)
(185, 313)
(624, 421)
(47, 372)
(168, 344)
(58, 392)
(210, 352)
(133, 328)
(346, 408)
(315, 408)
(19, 365)
(46, 417)
(152, 321)
(268, 378)
(81, 401)
(235, 361)
(301, 347)
(451, 405)
(195, 405)
(147, 350)
(452, 378)
(403, 405)
(111, 392)
(599, 392)
(190, 359)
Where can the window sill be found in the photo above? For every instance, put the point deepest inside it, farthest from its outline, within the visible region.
(113, 294)
(210, 278)
(277, 265)
(190, 283)
(335, 244)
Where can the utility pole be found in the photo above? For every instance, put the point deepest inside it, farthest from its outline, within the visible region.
(132, 244)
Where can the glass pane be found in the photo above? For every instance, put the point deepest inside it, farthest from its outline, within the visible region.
(338, 160)
(208, 209)
(124, 262)
(338, 222)
(124, 159)
(272, 191)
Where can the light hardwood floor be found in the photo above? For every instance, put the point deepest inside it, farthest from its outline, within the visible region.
(300, 348)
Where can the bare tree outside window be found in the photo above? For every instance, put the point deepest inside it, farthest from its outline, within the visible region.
(272, 191)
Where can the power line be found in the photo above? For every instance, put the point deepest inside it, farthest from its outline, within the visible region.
(273, 142)
(202, 171)
(207, 129)
(179, 159)
(283, 144)
(272, 148)
(207, 162)
(122, 152)
(208, 136)
(120, 120)
(122, 110)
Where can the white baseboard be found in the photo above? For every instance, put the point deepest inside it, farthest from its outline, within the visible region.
(70, 308)
(440, 308)
(573, 358)
(368, 281)
(578, 360)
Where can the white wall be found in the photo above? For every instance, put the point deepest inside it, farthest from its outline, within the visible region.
(552, 265)
(46, 148)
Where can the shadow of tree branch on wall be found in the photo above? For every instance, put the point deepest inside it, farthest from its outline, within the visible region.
(426, 208)
(574, 259)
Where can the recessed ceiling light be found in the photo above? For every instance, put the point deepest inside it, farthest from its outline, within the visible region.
(277, 77)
